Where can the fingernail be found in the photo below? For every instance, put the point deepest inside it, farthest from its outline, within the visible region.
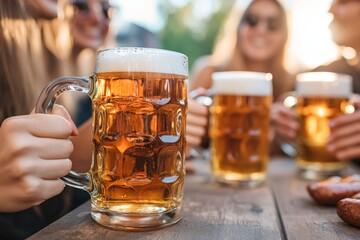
(331, 123)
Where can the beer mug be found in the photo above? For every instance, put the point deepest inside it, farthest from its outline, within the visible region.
(239, 127)
(319, 96)
(139, 99)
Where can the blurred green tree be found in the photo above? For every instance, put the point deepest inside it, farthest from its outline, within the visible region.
(192, 28)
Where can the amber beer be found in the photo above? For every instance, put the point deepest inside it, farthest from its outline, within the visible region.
(240, 127)
(139, 99)
(321, 96)
(139, 111)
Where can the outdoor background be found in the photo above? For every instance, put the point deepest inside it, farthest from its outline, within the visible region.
(190, 27)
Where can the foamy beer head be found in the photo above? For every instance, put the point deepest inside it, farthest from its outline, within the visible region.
(242, 83)
(324, 84)
(141, 60)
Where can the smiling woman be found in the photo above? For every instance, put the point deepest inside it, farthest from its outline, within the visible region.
(252, 41)
(90, 23)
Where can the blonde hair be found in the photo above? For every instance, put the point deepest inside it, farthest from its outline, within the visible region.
(58, 41)
(227, 54)
(23, 73)
(22, 67)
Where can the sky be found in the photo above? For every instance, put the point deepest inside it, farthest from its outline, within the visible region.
(308, 18)
(147, 15)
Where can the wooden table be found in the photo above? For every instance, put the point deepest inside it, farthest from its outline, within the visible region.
(281, 209)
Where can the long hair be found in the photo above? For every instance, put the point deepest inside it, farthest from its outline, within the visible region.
(61, 46)
(23, 73)
(58, 42)
(227, 53)
(22, 65)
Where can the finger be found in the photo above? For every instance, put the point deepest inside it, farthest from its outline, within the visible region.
(285, 112)
(195, 131)
(345, 119)
(279, 109)
(192, 141)
(197, 108)
(61, 111)
(345, 142)
(40, 125)
(51, 188)
(50, 126)
(348, 153)
(344, 131)
(287, 123)
(286, 128)
(287, 133)
(36, 190)
(196, 120)
(52, 169)
(46, 169)
(50, 148)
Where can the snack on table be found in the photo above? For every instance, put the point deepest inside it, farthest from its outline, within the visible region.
(348, 210)
(332, 190)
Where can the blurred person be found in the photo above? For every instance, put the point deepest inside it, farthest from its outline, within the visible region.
(88, 22)
(89, 27)
(344, 140)
(74, 38)
(34, 148)
(252, 41)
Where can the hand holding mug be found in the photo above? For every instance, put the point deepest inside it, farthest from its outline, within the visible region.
(34, 154)
(344, 140)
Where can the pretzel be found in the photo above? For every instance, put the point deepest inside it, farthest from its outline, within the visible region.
(332, 190)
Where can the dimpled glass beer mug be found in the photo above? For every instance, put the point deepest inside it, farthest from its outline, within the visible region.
(139, 99)
(319, 97)
(239, 127)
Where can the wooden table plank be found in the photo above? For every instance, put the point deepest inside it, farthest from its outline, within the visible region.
(211, 211)
(301, 216)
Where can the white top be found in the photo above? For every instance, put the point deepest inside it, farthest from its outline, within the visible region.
(323, 84)
(242, 83)
(141, 60)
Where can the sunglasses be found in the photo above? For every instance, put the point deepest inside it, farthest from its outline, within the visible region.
(83, 7)
(252, 20)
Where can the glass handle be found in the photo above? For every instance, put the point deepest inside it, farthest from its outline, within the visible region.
(289, 100)
(45, 104)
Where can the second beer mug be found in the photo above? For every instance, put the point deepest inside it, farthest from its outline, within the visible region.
(139, 99)
(239, 127)
(320, 97)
